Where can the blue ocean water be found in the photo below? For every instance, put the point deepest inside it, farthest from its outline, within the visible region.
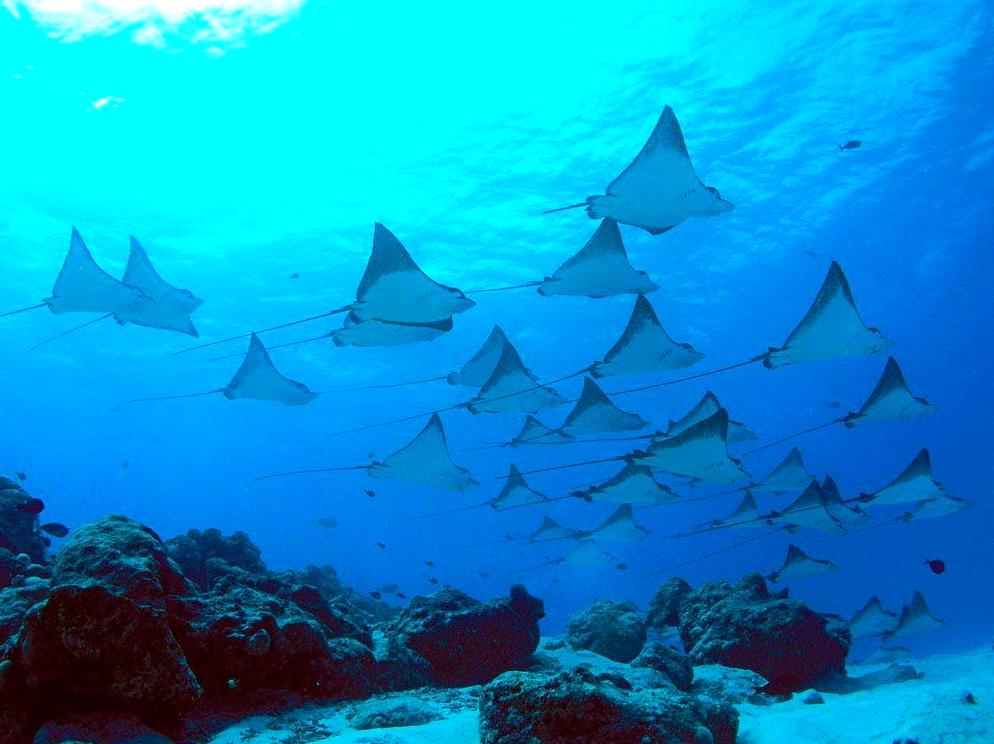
(245, 146)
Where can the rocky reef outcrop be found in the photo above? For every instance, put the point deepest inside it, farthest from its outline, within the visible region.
(114, 637)
(581, 707)
(746, 626)
(19, 533)
(467, 642)
(616, 630)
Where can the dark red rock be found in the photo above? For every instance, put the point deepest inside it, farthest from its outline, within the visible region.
(467, 642)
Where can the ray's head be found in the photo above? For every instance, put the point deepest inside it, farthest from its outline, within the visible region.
(717, 205)
(461, 303)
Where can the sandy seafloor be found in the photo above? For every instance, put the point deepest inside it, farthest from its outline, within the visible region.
(929, 710)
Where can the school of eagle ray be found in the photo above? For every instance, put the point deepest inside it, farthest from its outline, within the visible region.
(397, 303)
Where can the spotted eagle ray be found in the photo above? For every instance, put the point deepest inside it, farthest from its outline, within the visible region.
(393, 290)
(256, 378)
(659, 189)
(425, 461)
(797, 564)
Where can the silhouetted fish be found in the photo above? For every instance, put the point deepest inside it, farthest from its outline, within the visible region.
(621, 566)
(55, 529)
(432, 581)
(21, 475)
(31, 506)
(375, 595)
(851, 145)
(430, 564)
(125, 465)
(370, 493)
(326, 522)
(834, 404)
(483, 574)
(936, 565)
(389, 588)
(381, 546)
(401, 595)
(295, 275)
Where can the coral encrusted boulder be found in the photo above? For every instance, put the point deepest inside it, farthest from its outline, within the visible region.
(580, 707)
(467, 642)
(103, 636)
(743, 625)
(615, 630)
(19, 522)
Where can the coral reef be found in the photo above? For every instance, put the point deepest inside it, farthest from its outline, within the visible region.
(616, 630)
(581, 707)
(669, 662)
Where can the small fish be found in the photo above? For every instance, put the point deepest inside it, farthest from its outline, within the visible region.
(389, 588)
(371, 493)
(936, 565)
(621, 566)
(433, 581)
(375, 595)
(31, 506)
(295, 275)
(381, 546)
(21, 475)
(125, 464)
(483, 574)
(115, 409)
(851, 145)
(55, 529)
(509, 537)
(326, 522)
(430, 564)
(401, 595)
(834, 404)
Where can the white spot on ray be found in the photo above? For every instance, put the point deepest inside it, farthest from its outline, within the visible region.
(595, 412)
(393, 287)
(550, 529)
(872, 619)
(706, 407)
(170, 307)
(914, 484)
(534, 431)
(425, 460)
(915, 618)
(645, 346)
(480, 366)
(830, 329)
(620, 527)
(516, 492)
(257, 378)
(746, 514)
(83, 287)
(808, 511)
(797, 564)
(699, 451)
(790, 475)
(512, 387)
(600, 269)
(890, 400)
(659, 189)
(633, 484)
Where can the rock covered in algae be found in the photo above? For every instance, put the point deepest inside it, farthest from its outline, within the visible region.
(743, 625)
(615, 630)
(19, 522)
(467, 642)
(669, 662)
(664, 607)
(580, 707)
